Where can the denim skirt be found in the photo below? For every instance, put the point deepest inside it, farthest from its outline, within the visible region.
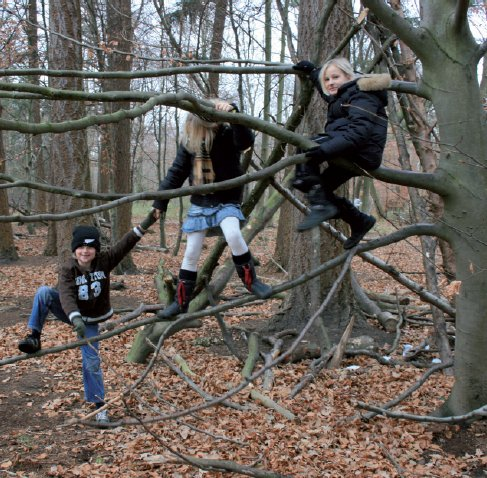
(201, 218)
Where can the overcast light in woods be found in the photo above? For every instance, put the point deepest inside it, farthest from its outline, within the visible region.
(366, 362)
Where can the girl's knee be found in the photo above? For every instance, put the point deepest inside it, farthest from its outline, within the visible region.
(234, 237)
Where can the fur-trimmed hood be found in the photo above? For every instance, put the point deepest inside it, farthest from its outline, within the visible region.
(374, 82)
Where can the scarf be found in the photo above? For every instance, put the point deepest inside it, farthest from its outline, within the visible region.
(203, 168)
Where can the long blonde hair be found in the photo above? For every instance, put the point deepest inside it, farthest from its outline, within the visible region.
(342, 64)
(198, 131)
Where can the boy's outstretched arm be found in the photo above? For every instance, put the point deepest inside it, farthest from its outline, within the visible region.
(150, 219)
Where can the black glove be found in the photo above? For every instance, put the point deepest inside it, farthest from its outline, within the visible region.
(316, 154)
(304, 66)
(148, 221)
(79, 326)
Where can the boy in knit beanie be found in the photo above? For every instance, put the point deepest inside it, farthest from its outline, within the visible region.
(82, 300)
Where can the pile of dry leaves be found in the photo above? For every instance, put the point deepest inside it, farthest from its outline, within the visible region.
(323, 435)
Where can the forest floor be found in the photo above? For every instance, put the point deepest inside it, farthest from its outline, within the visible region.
(41, 398)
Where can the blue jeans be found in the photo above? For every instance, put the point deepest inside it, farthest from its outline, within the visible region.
(47, 300)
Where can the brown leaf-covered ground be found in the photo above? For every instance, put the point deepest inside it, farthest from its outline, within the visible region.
(40, 397)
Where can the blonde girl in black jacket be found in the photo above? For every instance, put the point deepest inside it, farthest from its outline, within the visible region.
(355, 130)
(209, 153)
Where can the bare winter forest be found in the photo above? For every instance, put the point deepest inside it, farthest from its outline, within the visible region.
(368, 361)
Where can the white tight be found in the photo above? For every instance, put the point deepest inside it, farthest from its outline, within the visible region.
(230, 227)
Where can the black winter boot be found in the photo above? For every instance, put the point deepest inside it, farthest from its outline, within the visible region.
(322, 208)
(184, 290)
(360, 223)
(246, 271)
(31, 344)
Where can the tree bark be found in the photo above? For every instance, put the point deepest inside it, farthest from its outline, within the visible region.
(69, 161)
(309, 248)
(217, 44)
(39, 167)
(119, 36)
(450, 80)
(7, 246)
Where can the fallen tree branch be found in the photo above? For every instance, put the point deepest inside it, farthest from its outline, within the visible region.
(269, 403)
(226, 333)
(209, 464)
(337, 357)
(370, 308)
(477, 414)
(253, 355)
(277, 342)
(410, 390)
(397, 337)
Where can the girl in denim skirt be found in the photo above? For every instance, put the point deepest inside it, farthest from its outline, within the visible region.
(209, 153)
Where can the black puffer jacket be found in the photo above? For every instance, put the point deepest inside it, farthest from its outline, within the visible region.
(356, 124)
(230, 141)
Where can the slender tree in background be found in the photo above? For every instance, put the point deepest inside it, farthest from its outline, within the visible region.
(119, 36)
(7, 245)
(217, 44)
(38, 160)
(68, 152)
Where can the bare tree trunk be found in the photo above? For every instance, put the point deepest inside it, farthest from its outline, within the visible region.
(307, 249)
(421, 135)
(284, 236)
(413, 109)
(428, 244)
(39, 167)
(449, 78)
(7, 246)
(69, 159)
(217, 44)
(119, 35)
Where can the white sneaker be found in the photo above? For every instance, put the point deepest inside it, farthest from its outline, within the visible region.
(102, 417)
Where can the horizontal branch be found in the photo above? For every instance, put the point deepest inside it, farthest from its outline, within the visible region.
(182, 100)
(410, 390)
(410, 88)
(477, 414)
(168, 194)
(118, 199)
(45, 92)
(139, 96)
(270, 68)
(428, 181)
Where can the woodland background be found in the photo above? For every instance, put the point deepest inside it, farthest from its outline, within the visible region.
(93, 96)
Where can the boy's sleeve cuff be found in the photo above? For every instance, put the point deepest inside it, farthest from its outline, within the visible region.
(73, 315)
(138, 231)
